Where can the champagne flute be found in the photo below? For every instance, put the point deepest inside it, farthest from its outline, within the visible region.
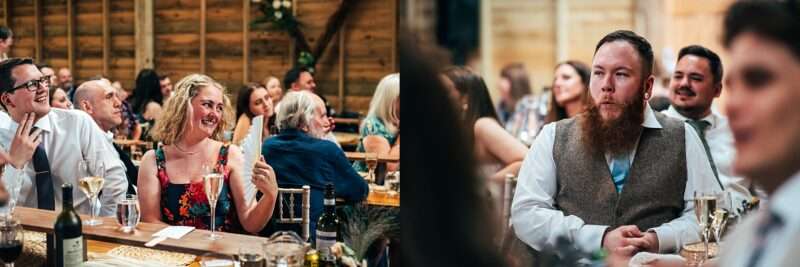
(704, 206)
(212, 185)
(91, 181)
(11, 239)
(721, 214)
(128, 213)
(371, 160)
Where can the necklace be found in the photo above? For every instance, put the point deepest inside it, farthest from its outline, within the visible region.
(184, 151)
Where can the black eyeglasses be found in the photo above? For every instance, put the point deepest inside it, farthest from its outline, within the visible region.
(34, 85)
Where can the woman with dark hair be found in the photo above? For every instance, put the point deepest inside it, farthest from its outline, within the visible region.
(59, 99)
(253, 100)
(147, 97)
(513, 86)
(498, 152)
(570, 95)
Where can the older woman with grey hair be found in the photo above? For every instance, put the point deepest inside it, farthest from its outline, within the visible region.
(300, 156)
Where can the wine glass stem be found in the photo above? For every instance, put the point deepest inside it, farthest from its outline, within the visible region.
(213, 218)
(92, 206)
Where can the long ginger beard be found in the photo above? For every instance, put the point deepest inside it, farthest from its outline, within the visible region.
(614, 136)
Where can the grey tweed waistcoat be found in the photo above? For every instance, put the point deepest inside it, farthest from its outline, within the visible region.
(653, 192)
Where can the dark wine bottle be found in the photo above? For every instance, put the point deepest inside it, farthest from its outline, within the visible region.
(70, 245)
(327, 227)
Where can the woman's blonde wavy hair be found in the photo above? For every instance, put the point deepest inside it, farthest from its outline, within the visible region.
(171, 125)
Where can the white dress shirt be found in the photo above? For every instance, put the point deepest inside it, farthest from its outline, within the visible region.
(720, 142)
(781, 244)
(69, 136)
(539, 224)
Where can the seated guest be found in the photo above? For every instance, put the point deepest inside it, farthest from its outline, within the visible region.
(68, 136)
(23, 145)
(6, 40)
(148, 97)
(694, 85)
(58, 98)
(301, 79)
(497, 152)
(253, 100)
(64, 79)
(572, 180)
(382, 121)
(513, 85)
(762, 83)
(171, 177)
(274, 89)
(166, 87)
(130, 127)
(99, 99)
(300, 156)
(47, 70)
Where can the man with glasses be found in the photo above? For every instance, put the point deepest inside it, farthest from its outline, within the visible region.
(67, 137)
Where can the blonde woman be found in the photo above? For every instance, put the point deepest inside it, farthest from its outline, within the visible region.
(382, 121)
(170, 178)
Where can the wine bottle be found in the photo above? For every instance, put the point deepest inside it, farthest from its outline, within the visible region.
(70, 245)
(327, 227)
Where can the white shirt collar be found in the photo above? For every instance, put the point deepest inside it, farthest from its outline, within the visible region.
(784, 201)
(650, 120)
(43, 122)
(713, 118)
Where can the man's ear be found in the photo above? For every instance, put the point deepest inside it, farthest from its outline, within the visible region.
(5, 98)
(717, 89)
(85, 106)
(648, 87)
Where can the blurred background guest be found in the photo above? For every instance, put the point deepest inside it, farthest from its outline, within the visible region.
(382, 123)
(498, 153)
(130, 127)
(64, 78)
(170, 177)
(513, 85)
(147, 95)
(58, 98)
(166, 87)
(253, 100)
(6, 41)
(570, 94)
(274, 89)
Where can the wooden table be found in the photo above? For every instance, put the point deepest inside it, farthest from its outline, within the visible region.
(346, 139)
(363, 156)
(192, 243)
(383, 199)
(101, 247)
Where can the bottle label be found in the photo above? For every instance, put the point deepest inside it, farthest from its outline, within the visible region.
(330, 202)
(324, 242)
(73, 251)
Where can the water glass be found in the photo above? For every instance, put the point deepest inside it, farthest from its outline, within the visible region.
(128, 213)
(11, 239)
(251, 256)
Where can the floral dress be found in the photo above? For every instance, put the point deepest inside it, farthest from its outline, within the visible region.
(186, 204)
(372, 126)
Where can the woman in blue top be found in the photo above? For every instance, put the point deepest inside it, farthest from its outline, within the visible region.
(383, 120)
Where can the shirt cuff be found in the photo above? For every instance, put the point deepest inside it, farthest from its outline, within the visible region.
(666, 239)
(590, 237)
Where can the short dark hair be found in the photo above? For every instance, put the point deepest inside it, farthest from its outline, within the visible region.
(713, 59)
(777, 21)
(6, 81)
(5, 32)
(293, 75)
(639, 43)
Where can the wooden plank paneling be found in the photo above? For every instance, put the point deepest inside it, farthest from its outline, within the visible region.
(70, 35)
(106, 36)
(38, 38)
(203, 18)
(144, 34)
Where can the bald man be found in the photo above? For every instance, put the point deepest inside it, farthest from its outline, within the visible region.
(99, 99)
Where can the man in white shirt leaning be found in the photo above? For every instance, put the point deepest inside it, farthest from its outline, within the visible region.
(68, 136)
(694, 85)
(594, 179)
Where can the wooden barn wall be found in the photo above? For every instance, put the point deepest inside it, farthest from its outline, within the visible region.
(353, 64)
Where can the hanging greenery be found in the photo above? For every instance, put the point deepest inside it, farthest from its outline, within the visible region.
(277, 14)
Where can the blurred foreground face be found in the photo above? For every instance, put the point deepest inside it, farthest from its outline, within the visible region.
(764, 88)
(616, 79)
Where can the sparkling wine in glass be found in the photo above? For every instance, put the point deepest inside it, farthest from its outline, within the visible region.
(371, 159)
(11, 239)
(212, 185)
(128, 213)
(91, 182)
(704, 206)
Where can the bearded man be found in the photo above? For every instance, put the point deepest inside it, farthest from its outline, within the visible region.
(619, 177)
